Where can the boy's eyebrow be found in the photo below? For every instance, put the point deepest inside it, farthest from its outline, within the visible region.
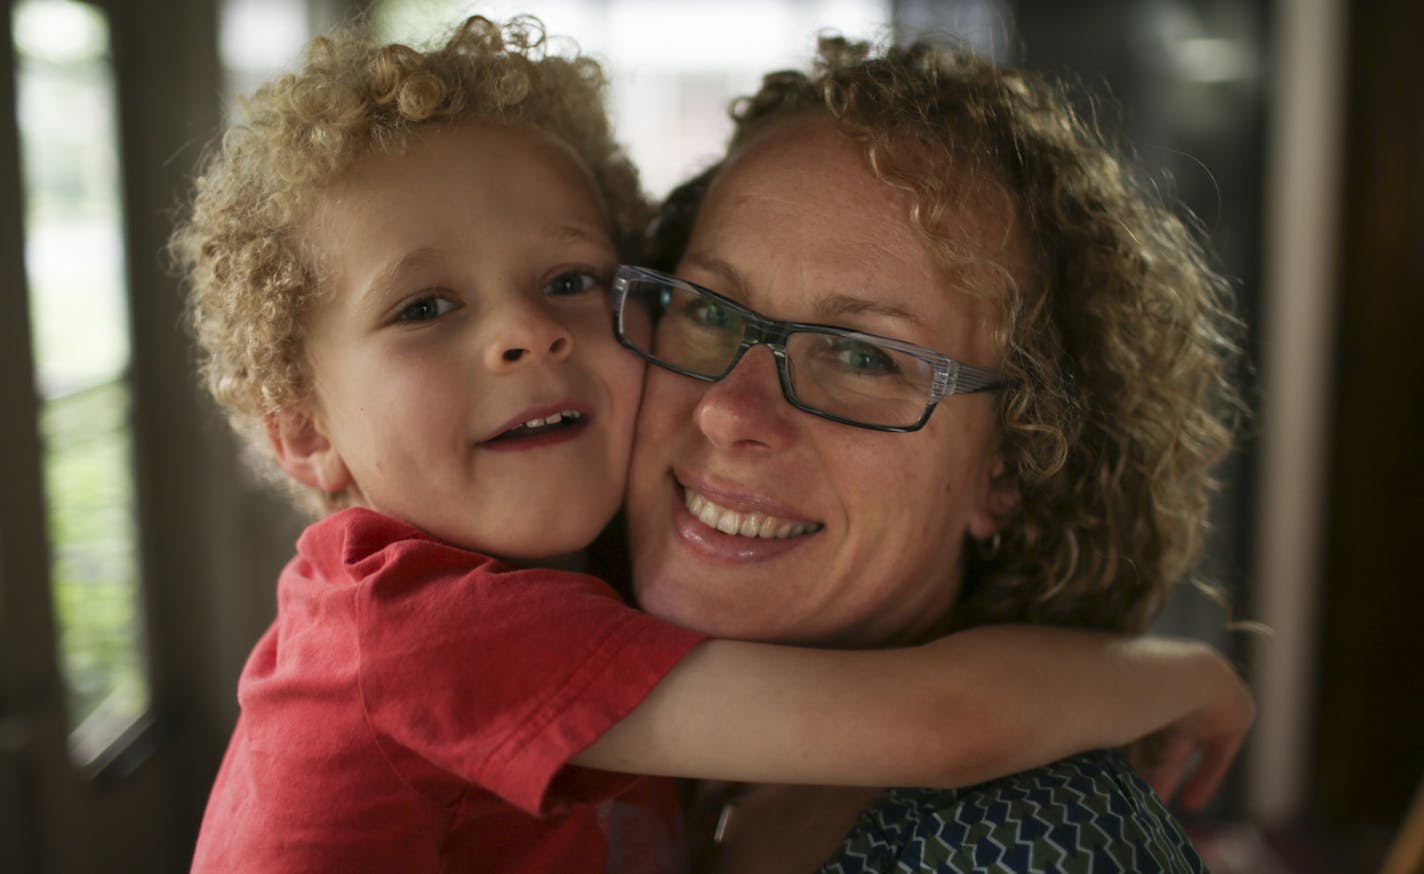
(418, 258)
(567, 233)
(386, 275)
(829, 308)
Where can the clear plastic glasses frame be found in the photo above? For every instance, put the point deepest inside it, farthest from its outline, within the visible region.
(641, 297)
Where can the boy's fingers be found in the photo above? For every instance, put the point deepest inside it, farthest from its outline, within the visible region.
(1174, 759)
(1210, 771)
(1164, 779)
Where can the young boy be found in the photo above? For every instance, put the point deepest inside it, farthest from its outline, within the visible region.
(399, 271)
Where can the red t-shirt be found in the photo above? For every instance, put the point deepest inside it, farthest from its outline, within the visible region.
(413, 708)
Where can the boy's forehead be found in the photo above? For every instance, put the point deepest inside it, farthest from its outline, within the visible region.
(557, 145)
(486, 156)
(526, 174)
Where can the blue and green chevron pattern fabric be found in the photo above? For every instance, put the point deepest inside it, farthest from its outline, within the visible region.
(1089, 814)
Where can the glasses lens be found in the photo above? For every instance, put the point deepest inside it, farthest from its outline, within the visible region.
(858, 379)
(840, 374)
(634, 320)
(691, 331)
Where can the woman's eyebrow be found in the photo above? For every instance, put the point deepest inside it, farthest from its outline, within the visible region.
(739, 287)
(836, 306)
(829, 308)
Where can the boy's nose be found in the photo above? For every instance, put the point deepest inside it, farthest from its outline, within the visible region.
(528, 335)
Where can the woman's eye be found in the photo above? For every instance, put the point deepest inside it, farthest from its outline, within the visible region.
(709, 314)
(426, 309)
(571, 283)
(862, 358)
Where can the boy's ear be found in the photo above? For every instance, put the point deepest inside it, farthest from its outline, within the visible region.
(305, 452)
(999, 502)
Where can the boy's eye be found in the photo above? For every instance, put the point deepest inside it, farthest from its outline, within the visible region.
(425, 309)
(571, 283)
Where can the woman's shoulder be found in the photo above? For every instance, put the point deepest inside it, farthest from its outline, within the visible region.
(1089, 814)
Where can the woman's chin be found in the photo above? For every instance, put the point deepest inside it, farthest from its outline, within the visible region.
(727, 611)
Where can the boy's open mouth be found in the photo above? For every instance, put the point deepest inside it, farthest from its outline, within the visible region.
(559, 421)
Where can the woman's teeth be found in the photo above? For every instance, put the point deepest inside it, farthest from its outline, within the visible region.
(743, 524)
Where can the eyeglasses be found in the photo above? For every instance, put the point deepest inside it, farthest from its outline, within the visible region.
(851, 377)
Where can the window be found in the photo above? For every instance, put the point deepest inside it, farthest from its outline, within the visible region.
(259, 39)
(669, 92)
(74, 258)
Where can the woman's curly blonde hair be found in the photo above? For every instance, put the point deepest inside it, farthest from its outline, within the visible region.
(250, 284)
(1117, 336)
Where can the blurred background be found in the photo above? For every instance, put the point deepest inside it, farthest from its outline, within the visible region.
(138, 559)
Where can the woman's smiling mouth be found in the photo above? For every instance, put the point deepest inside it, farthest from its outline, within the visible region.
(753, 524)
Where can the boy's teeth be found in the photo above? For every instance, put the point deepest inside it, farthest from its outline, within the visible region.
(743, 524)
(571, 415)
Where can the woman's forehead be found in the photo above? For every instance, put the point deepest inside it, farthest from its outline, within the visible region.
(825, 181)
(809, 185)
(799, 219)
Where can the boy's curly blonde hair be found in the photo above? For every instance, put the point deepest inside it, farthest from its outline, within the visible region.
(1118, 336)
(250, 285)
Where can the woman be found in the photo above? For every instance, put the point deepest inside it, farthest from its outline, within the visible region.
(962, 209)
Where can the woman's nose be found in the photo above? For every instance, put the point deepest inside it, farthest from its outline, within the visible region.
(746, 409)
(525, 333)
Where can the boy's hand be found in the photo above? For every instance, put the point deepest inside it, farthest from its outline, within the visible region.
(1201, 746)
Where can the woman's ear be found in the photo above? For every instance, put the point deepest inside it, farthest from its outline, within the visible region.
(999, 503)
(305, 452)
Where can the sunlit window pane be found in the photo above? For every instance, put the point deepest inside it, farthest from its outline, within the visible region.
(259, 39)
(79, 322)
(94, 568)
(674, 65)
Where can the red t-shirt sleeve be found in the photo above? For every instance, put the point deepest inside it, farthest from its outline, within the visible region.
(500, 675)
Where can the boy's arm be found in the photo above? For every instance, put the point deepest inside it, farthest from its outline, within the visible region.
(971, 706)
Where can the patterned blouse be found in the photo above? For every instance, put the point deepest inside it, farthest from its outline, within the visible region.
(1089, 814)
